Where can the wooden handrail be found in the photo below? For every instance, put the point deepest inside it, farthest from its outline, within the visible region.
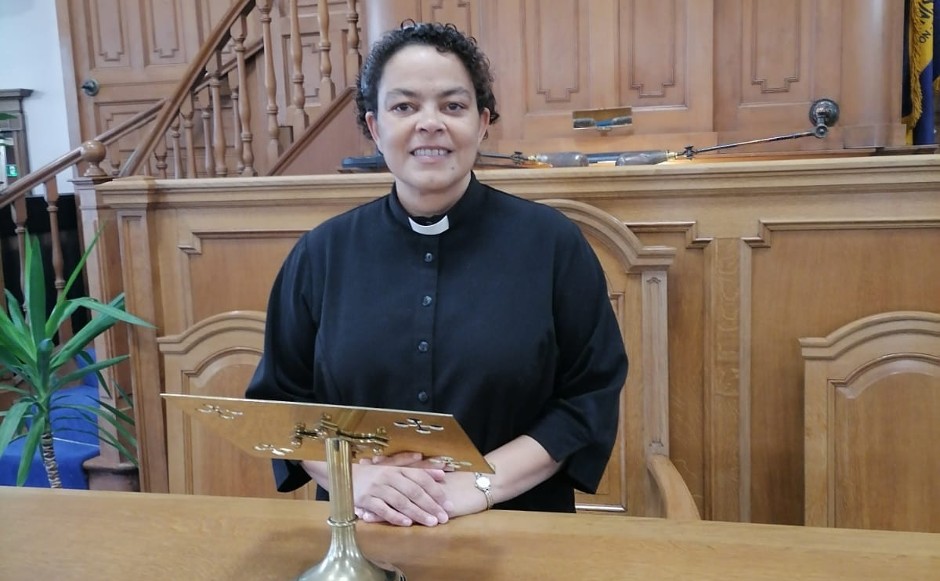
(41, 175)
(228, 66)
(219, 35)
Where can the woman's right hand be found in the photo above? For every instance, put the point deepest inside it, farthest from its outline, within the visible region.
(390, 489)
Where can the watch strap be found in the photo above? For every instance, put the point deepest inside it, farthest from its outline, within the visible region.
(484, 488)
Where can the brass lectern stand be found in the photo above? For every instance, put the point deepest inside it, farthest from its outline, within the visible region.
(273, 429)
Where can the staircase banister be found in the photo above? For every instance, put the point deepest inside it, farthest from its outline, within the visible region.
(251, 50)
(221, 33)
(67, 160)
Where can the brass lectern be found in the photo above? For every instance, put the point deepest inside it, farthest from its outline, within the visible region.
(337, 434)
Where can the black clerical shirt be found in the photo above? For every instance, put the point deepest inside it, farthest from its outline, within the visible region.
(502, 320)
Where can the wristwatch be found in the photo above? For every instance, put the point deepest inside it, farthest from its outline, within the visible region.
(482, 482)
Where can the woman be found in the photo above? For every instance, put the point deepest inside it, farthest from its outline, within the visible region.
(448, 296)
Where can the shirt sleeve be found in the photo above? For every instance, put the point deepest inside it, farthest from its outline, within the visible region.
(285, 372)
(579, 425)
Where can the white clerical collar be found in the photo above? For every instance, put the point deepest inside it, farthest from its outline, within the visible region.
(434, 229)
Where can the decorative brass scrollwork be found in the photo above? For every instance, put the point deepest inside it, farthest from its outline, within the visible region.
(225, 414)
(450, 464)
(419, 426)
(360, 442)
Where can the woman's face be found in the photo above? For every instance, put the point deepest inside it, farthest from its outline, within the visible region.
(427, 126)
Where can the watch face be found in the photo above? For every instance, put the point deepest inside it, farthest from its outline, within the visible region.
(483, 482)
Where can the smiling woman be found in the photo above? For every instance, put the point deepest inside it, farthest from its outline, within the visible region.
(448, 296)
(428, 127)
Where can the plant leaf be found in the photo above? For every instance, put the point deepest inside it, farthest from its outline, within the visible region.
(92, 368)
(116, 443)
(113, 311)
(42, 385)
(12, 389)
(117, 413)
(14, 333)
(12, 422)
(96, 326)
(34, 291)
(76, 272)
(29, 448)
(62, 311)
(105, 414)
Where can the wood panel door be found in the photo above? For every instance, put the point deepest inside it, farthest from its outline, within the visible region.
(774, 59)
(135, 50)
(551, 58)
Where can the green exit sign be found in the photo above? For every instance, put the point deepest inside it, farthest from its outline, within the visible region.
(11, 170)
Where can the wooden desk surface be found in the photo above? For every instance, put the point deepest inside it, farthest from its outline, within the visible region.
(86, 535)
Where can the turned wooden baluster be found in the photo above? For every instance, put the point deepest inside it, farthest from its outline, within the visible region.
(58, 263)
(114, 162)
(187, 110)
(20, 214)
(243, 120)
(218, 134)
(353, 58)
(298, 96)
(236, 131)
(327, 88)
(159, 155)
(270, 82)
(207, 136)
(175, 146)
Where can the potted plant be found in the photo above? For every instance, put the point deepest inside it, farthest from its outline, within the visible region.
(42, 368)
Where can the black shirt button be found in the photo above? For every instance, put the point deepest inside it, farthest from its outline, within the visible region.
(423, 396)
(423, 346)
(428, 257)
(427, 300)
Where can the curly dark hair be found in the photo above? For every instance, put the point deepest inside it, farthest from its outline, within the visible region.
(446, 39)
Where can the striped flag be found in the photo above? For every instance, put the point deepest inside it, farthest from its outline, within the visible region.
(921, 75)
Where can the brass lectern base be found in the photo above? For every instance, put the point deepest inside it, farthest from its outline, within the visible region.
(345, 562)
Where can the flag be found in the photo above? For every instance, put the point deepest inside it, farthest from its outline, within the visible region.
(921, 75)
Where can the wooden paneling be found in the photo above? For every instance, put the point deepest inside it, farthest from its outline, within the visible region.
(775, 59)
(136, 50)
(872, 401)
(216, 357)
(887, 266)
(767, 253)
(697, 72)
(556, 57)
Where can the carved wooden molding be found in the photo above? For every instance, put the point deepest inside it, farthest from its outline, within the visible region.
(839, 371)
(634, 255)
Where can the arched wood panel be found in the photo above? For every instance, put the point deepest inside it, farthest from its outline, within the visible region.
(872, 392)
(215, 357)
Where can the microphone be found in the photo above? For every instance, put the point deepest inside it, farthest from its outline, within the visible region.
(562, 159)
(649, 157)
(553, 159)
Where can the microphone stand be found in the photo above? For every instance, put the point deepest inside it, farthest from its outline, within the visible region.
(823, 114)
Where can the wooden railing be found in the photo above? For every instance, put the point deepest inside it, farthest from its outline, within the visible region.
(259, 131)
(91, 152)
(186, 137)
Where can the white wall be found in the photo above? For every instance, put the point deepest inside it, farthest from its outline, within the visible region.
(29, 45)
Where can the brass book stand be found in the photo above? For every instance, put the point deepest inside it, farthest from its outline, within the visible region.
(337, 434)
